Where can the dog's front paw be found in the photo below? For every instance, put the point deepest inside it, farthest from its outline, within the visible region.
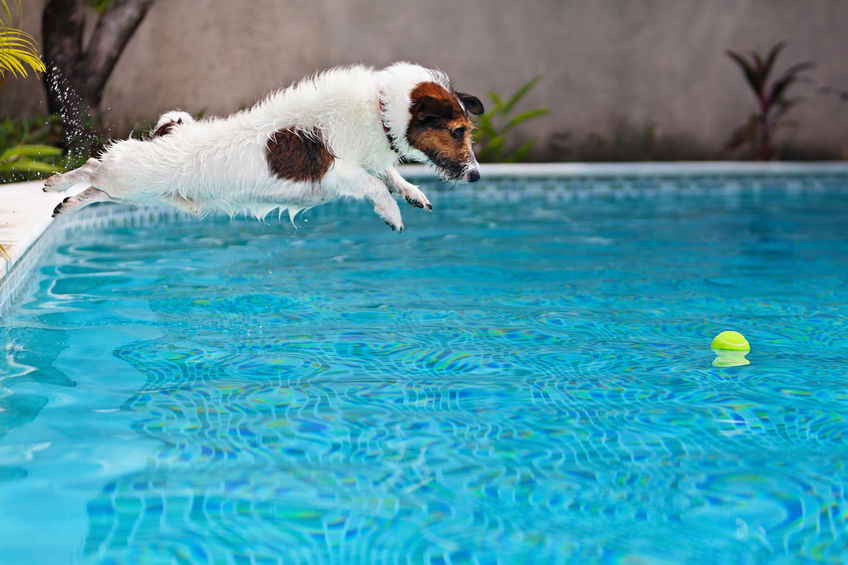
(61, 207)
(417, 198)
(53, 183)
(391, 215)
(397, 228)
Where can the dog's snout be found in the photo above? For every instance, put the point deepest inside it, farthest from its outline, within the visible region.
(473, 175)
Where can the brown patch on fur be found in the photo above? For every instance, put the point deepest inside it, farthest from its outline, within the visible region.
(165, 128)
(297, 157)
(440, 128)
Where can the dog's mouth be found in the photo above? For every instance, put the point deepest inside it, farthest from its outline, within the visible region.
(460, 174)
(454, 171)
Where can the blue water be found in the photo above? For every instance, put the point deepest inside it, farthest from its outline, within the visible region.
(505, 382)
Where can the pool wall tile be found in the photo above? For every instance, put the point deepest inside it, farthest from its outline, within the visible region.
(27, 229)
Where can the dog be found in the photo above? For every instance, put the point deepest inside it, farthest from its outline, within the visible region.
(339, 133)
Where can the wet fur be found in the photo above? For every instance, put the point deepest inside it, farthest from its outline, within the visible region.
(339, 133)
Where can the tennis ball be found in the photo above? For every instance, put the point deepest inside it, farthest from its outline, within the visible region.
(731, 341)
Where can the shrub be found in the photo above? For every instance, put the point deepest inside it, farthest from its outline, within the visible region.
(495, 125)
(773, 102)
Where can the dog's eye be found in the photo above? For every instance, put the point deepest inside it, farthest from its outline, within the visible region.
(458, 133)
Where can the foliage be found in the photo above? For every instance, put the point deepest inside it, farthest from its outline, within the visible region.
(772, 101)
(28, 149)
(29, 159)
(495, 125)
(18, 49)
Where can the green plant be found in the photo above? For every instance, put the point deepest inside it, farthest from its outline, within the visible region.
(28, 148)
(17, 48)
(29, 160)
(772, 101)
(495, 125)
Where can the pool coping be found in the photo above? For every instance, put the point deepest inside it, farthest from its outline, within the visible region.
(25, 210)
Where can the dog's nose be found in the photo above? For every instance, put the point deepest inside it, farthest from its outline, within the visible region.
(473, 175)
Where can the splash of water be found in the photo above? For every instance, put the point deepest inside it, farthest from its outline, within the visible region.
(80, 132)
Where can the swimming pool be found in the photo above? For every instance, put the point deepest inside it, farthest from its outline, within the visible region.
(522, 376)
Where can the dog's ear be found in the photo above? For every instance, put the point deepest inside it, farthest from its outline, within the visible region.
(428, 109)
(472, 103)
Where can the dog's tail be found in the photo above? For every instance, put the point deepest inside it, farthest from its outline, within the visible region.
(168, 121)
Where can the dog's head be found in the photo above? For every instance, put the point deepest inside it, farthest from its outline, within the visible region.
(439, 128)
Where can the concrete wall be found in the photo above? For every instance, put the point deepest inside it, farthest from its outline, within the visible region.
(623, 78)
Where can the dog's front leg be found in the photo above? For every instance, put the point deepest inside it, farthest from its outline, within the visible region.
(63, 181)
(378, 195)
(409, 191)
(357, 182)
(88, 196)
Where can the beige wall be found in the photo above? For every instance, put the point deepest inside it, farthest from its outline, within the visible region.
(612, 68)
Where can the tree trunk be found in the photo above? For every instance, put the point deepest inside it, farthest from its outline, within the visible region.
(76, 75)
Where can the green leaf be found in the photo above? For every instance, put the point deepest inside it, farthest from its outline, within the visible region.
(16, 49)
(485, 129)
(493, 126)
(28, 166)
(522, 152)
(524, 116)
(521, 92)
(499, 103)
(30, 151)
(493, 147)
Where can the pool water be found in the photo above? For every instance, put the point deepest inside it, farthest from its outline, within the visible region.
(511, 380)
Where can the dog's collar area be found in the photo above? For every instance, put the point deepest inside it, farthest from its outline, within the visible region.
(386, 130)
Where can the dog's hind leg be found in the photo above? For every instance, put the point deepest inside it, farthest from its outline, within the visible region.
(88, 196)
(62, 181)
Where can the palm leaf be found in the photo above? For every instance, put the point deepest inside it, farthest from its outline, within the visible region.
(11, 64)
(18, 48)
(6, 12)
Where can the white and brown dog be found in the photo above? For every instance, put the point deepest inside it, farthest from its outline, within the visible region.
(340, 133)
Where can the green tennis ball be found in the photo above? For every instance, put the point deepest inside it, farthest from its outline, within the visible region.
(731, 341)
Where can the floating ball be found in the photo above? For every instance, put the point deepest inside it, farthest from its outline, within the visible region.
(731, 341)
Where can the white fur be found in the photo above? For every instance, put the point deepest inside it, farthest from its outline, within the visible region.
(220, 164)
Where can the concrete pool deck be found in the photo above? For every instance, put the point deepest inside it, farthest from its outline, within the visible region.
(25, 210)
